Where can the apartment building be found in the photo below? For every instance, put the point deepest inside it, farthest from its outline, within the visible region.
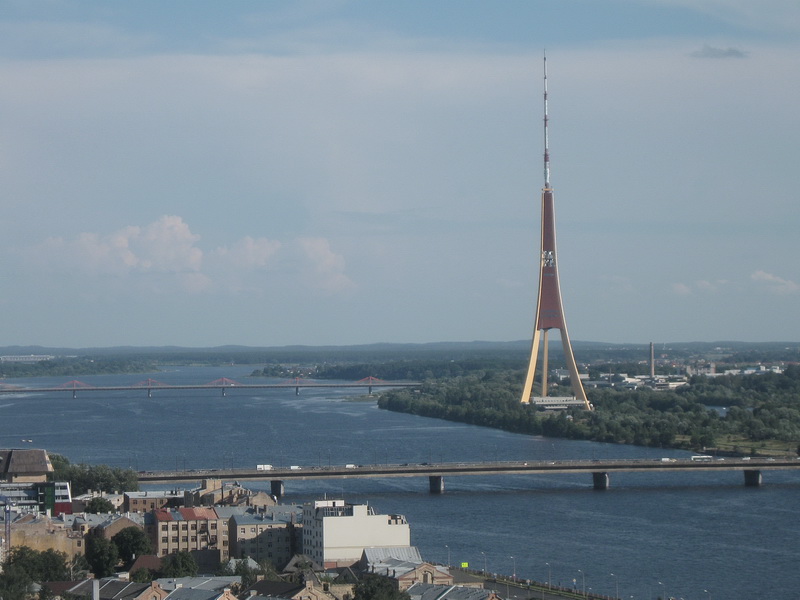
(187, 530)
(272, 534)
(336, 533)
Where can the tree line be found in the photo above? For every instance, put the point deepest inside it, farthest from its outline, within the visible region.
(760, 409)
(84, 477)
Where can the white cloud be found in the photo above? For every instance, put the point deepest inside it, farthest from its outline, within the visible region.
(165, 254)
(325, 269)
(681, 289)
(774, 283)
(164, 246)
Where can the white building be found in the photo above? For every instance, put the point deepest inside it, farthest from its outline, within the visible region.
(335, 533)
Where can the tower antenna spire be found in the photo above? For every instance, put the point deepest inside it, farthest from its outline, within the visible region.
(546, 139)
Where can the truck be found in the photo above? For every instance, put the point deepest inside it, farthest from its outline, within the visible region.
(263, 467)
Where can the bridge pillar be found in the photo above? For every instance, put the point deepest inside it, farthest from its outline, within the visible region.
(74, 394)
(276, 488)
(752, 478)
(600, 481)
(436, 484)
(223, 392)
(149, 393)
(297, 390)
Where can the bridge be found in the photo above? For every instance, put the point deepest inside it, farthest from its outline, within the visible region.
(223, 384)
(599, 469)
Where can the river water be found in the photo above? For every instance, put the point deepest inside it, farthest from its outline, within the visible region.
(683, 535)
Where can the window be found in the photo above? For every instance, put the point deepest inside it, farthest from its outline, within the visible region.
(164, 527)
(164, 540)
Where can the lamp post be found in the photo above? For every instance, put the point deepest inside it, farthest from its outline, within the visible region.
(448, 555)
(549, 587)
(664, 597)
(709, 594)
(616, 582)
(514, 568)
(583, 581)
(484, 563)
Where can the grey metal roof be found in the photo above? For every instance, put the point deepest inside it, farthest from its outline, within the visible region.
(430, 591)
(217, 583)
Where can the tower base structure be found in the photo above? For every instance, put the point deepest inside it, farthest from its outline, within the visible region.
(540, 337)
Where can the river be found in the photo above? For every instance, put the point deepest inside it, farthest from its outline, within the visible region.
(683, 535)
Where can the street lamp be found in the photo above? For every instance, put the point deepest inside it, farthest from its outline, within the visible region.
(583, 581)
(664, 597)
(448, 555)
(616, 581)
(548, 576)
(484, 563)
(514, 569)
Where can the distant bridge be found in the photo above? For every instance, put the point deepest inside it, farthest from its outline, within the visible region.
(599, 469)
(224, 384)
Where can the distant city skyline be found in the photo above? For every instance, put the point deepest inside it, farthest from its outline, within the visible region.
(338, 173)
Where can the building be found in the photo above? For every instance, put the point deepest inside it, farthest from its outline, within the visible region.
(272, 534)
(41, 532)
(188, 530)
(335, 533)
(214, 492)
(404, 566)
(427, 591)
(24, 466)
(263, 590)
(51, 497)
(116, 589)
(151, 500)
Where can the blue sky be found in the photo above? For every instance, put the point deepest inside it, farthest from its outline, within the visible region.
(271, 173)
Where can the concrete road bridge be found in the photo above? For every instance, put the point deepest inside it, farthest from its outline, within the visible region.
(600, 470)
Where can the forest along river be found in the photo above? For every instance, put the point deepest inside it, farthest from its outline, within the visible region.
(683, 535)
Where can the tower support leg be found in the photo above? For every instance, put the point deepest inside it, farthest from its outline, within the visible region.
(436, 484)
(276, 488)
(752, 478)
(600, 481)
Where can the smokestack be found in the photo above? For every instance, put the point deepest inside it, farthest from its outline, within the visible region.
(652, 362)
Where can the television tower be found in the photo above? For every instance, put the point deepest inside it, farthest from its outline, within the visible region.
(549, 308)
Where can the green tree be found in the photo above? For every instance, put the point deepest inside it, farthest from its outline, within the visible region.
(15, 583)
(49, 565)
(181, 564)
(131, 542)
(376, 587)
(99, 505)
(143, 575)
(102, 556)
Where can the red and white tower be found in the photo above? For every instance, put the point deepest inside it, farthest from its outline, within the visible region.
(549, 308)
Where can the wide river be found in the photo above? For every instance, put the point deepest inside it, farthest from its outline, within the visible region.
(682, 535)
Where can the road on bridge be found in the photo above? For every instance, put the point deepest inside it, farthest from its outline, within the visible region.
(299, 472)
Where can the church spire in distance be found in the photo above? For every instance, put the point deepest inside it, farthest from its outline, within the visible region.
(549, 308)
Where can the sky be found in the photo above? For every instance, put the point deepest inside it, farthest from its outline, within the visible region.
(201, 173)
